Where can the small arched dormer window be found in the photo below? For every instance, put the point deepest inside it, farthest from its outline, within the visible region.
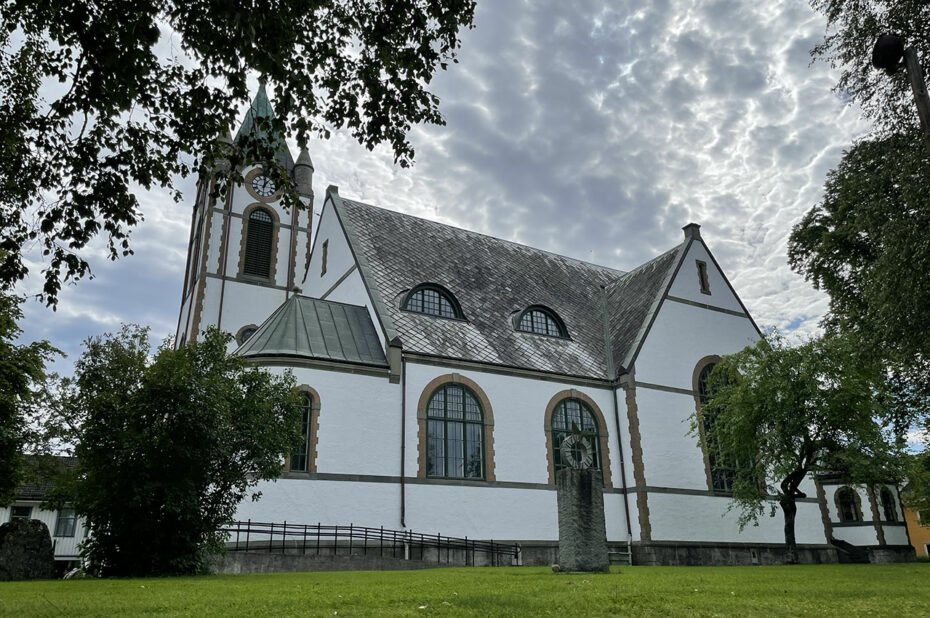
(541, 320)
(259, 241)
(433, 299)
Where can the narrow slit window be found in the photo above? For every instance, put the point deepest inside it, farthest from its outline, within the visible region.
(323, 261)
(300, 459)
(702, 277)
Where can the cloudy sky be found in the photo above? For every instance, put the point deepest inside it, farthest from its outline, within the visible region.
(593, 129)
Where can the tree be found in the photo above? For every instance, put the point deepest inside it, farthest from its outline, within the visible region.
(867, 245)
(853, 26)
(782, 413)
(917, 495)
(22, 375)
(168, 448)
(97, 96)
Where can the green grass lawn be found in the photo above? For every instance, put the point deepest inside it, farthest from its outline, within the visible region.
(816, 590)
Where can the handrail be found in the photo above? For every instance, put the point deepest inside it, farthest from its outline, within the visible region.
(272, 536)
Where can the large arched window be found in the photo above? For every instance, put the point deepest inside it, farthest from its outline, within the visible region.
(541, 321)
(721, 476)
(455, 430)
(575, 436)
(888, 510)
(847, 505)
(259, 243)
(433, 299)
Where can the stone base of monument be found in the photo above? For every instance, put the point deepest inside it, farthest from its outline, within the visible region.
(582, 530)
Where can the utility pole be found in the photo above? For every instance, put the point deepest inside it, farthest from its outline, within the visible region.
(887, 54)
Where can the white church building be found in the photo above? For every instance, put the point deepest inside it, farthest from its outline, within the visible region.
(443, 370)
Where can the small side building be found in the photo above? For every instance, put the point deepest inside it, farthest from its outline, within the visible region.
(66, 528)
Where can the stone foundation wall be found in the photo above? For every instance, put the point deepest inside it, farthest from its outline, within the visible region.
(725, 554)
(892, 553)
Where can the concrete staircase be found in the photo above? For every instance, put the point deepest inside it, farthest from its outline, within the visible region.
(849, 554)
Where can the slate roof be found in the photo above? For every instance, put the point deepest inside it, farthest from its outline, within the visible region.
(46, 470)
(494, 280)
(320, 329)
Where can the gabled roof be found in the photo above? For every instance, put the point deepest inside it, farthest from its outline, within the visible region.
(633, 300)
(318, 329)
(494, 280)
(261, 108)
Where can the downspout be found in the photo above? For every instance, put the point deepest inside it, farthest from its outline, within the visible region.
(403, 435)
(225, 256)
(398, 364)
(611, 373)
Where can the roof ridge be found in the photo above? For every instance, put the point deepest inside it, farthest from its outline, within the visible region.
(629, 275)
(503, 240)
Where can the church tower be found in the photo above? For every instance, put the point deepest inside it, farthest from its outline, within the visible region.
(246, 250)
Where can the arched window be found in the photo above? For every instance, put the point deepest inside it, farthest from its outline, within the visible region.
(433, 299)
(259, 243)
(571, 449)
(847, 505)
(888, 510)
(300, 459)
(541, 321)
(455, 430)
(245, 333)
(721, 477)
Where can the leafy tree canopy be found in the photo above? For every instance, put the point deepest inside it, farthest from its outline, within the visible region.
(782, 412)
(22, 377)
(867, 245)
(853, 26)
(167, 448)
(97, 96)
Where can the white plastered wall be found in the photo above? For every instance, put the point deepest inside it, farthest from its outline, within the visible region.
(680, 337)
(339, 261)
(687, 285)
(359, 436)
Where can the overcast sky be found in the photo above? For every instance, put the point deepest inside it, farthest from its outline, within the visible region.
(584, 128)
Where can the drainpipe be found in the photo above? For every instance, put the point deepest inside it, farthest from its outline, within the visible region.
(225, 254)
(403, 436)
(611, 373)
(398, 364)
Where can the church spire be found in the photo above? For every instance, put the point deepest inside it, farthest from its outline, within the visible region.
(260, 108)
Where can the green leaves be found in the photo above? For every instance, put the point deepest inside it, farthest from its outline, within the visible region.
(22, 376)
(853, 26)
(781, 412)
(168, 447)
(867, 245)
(147, 87)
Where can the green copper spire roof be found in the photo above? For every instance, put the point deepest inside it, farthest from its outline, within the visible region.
(261, 108)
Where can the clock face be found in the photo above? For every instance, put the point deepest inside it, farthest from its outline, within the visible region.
(263, 186)
(577, 452)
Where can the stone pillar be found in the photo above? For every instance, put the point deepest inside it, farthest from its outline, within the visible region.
(582, 530)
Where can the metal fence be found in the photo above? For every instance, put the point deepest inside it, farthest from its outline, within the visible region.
(350, 540)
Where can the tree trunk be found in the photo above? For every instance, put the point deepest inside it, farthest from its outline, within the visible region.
(790, 508)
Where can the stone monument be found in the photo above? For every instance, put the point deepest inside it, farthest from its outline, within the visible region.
(26, 551)
(582, 530)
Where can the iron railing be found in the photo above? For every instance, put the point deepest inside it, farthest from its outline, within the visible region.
(350, 540)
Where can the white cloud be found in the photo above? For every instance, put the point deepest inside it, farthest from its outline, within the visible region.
(592, 129)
